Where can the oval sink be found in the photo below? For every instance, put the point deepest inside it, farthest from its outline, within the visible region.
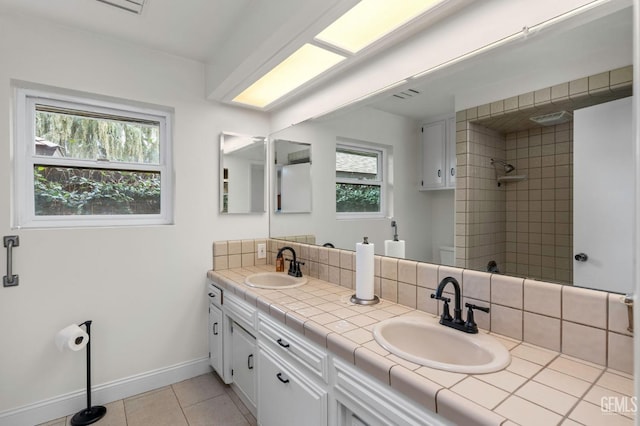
(274, 280)
(426, 342)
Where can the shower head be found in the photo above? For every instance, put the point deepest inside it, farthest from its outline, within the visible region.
(508, 168)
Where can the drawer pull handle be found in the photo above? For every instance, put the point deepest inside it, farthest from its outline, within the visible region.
(282, 343)
(212, 295)
(250, 362)
(279, 376)
(215, 328)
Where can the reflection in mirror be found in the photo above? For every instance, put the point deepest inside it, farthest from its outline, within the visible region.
(493, 95)
(292, 176)
(242, 173)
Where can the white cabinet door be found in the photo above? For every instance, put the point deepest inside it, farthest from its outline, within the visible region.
(433, 155)
(215, 339)
(287, 396)
(243, 350)
(451, 160)
(603, 203)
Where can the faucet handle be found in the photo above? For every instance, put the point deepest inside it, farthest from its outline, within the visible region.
(446, 315)
(480, 308)
(470, 324)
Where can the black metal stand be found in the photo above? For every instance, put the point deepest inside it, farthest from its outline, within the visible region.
(90, 414)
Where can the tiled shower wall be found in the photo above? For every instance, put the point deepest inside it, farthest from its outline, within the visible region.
(480, 203)
(539, 210)
(530, 235)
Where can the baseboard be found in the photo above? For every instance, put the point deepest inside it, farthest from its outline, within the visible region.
(66, 404)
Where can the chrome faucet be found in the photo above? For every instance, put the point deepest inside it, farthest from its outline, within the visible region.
(294, 265)
(468, 326)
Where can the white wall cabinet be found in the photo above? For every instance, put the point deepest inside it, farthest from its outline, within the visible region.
(439, 154)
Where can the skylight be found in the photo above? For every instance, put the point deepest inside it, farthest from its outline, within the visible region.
(303, 65)
(361, 26)
(370, 20)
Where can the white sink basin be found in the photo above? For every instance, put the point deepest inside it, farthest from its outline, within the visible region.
(426, 342)
(274, 280)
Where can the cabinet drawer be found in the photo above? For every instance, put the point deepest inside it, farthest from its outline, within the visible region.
(215, 295)
(288, 343)
(241, 312)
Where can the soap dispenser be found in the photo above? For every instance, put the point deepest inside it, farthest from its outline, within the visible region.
(280, 264)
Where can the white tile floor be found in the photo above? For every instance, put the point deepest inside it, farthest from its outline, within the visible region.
(201, 401)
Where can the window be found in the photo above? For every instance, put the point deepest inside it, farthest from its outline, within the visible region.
(360, 184)
(85, 162)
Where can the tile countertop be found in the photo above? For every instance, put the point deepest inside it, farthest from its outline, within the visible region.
(539, 387)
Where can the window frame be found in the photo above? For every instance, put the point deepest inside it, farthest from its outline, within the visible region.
(382, 181)
(25, 159)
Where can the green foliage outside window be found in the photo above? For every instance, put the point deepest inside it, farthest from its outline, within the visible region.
(357, 198)
(77, 191)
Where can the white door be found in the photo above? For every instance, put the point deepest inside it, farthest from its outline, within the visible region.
(287, 397)
(243, 362)
(603, 203)
(215, 339)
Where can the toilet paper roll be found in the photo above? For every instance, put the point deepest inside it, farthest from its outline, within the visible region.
(364, 271)
(71, 337)
(394, 248)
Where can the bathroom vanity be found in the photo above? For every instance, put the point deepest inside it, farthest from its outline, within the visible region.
(285, 378)
(317, 363)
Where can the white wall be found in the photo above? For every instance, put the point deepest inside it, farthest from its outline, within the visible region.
(412, 209)
(144, 286)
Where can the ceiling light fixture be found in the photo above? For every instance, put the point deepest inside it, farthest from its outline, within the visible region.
(302, 66)
(133, 6)
(370, 20)
(553, 118)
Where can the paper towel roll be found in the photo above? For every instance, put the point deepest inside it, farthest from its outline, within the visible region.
(71, 337)
(394, 248)
(364, 271)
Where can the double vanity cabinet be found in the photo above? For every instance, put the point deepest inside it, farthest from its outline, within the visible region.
(286, 379)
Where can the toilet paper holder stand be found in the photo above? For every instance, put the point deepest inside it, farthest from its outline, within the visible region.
(91, 414)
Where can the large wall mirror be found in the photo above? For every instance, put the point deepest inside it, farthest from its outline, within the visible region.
(242, 173)
(452, 225)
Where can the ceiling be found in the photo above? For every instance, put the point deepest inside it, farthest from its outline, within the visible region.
(238, 38)
(190, 28)
(528, 60)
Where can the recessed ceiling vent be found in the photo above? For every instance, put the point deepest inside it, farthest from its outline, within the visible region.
(133, 6)
(406, 94)
(553, 118)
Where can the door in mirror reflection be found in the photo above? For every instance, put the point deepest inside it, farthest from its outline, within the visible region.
(292, 178)
(242, 173)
